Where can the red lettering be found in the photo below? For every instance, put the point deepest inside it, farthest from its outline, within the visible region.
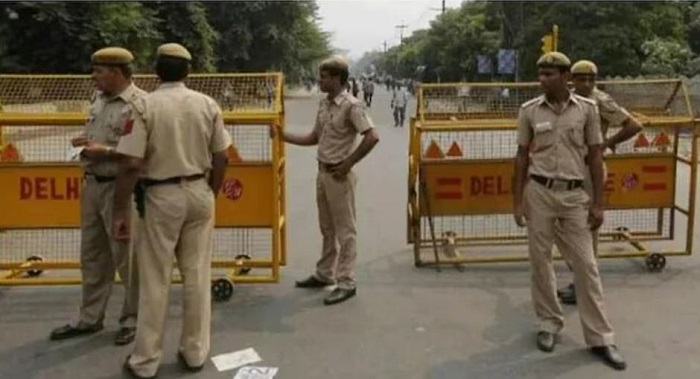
(54, 194)
(502, 189)
(49, 189)
(488, 185)
(41, 188)
(25, 188)
(475, 186)
(72, 188)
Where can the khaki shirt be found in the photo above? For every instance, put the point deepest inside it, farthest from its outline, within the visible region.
(338, 123)
(611, 114)
(559, 140)
(107, 118)
(176, 131)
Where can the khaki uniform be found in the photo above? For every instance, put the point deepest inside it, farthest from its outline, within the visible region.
(611, 114)
(560, 146)
(100, 253)
(338, 123)
(176, 131)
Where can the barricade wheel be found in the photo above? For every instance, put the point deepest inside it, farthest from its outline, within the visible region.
(36, 272)
(221, 289)
(243, 257)
(655, 262)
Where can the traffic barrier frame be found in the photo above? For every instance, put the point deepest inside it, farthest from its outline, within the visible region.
(460, 165)
(39, 188)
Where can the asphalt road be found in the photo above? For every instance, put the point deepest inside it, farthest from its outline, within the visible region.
(404, 323)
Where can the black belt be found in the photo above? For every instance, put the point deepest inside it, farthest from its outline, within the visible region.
(100, 178)
(174, 180)
(557, 183)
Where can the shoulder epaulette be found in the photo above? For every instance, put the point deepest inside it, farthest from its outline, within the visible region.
(531, 102)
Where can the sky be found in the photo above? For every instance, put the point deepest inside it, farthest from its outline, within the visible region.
(363, 25)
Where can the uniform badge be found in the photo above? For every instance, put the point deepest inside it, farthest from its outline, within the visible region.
(129, 124)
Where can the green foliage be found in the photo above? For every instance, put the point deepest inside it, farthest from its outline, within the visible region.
(665, 57)
(623, 38)
(59, 37)
(186, 23)
(275, 35)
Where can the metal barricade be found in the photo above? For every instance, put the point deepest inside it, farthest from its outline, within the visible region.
(40, 187)
(461, 150)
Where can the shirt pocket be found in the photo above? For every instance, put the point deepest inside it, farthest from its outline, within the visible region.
(339, 125)
(544, 136)
(576, 134)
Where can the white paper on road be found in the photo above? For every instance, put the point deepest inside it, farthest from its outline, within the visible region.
(256, 372)
(74, 153)
(236, 359)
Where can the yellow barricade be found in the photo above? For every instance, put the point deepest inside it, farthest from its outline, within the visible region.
(461, 150)
(40, 186)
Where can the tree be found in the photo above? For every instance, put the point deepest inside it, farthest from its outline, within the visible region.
(225, 36)
(449, 47)
(623, 38)
(186, 23)
(665, 57)
(266, 35)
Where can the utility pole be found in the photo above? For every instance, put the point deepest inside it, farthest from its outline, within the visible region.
(384, 46)
(440, 9)
(402, 27)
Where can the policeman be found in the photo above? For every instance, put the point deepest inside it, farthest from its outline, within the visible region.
(611, 114)
(555, 132)
(341, 117)
(177, 143)
(100, 253)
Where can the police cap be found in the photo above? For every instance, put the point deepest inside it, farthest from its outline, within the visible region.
(584, 67)
(174, 50)
(554, 59)
(112, 56)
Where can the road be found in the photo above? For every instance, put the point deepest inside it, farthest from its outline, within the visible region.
(405, 323)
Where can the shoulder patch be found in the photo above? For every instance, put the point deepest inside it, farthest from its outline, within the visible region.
(531, 102)
(354, 101)
(604, 98)
(139, 93)
(139, 104)
(585, 99)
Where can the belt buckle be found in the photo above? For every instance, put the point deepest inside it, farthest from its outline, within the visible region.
(560, 185)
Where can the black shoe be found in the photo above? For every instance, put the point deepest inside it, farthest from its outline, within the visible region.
(546, 341)
(567, 295)
(185, 365)
(339, 295)
(130, 370)
(611, 355)
(312, 282)
(69, 331)
(125, 336)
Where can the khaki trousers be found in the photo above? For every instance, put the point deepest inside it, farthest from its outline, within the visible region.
(336, 215)
(178, 224)
(101, 256)
(595, 234)
(543, 209)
